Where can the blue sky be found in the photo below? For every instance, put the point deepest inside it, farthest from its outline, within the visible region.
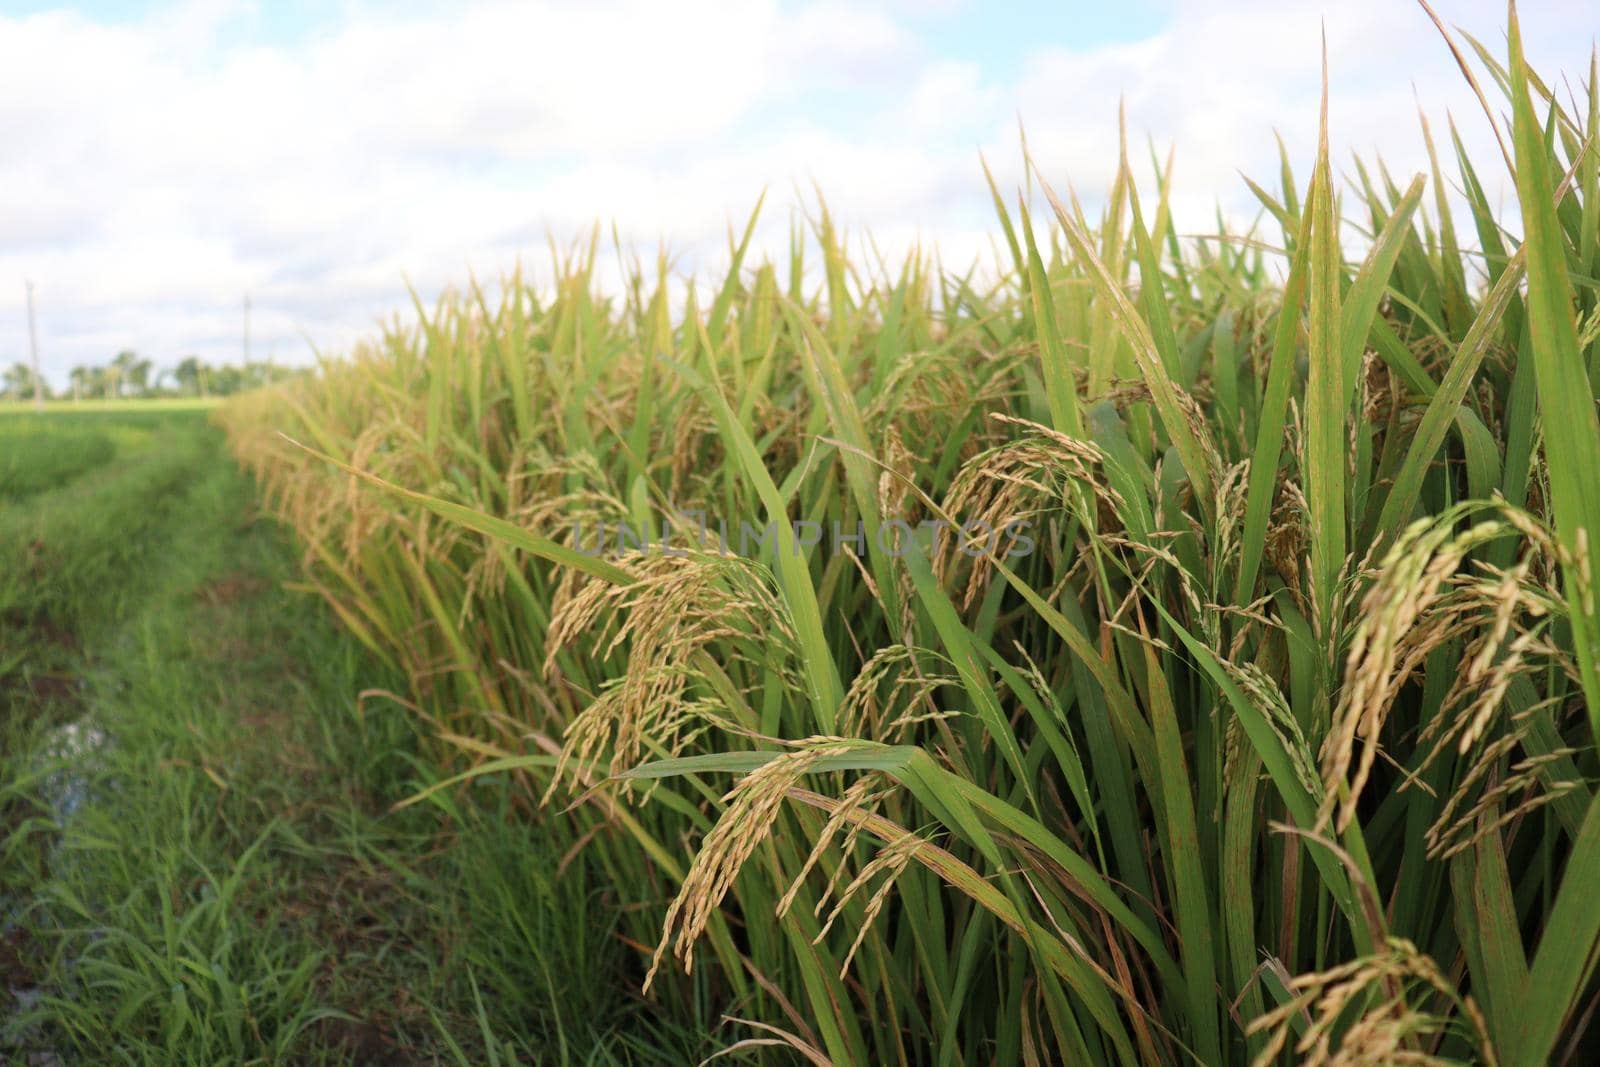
(165, 159)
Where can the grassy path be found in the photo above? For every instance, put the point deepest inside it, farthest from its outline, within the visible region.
(201, 861)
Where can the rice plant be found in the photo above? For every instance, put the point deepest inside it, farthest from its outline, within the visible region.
(1157, 651)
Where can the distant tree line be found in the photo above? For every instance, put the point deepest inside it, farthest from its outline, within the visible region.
(130, 375)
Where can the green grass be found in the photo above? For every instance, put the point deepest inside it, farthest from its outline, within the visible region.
(93, 405)
(201, 861)
(1281, 746)
(33, 458)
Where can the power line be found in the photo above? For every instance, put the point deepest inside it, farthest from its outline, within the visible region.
(33, 350)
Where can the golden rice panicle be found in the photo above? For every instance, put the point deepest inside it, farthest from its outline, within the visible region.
(1386, 649)
(893, 692)
(1400, 992)
(862, 796)
(1231, 491)
(1264, 693)
(752, 807)
(886, 866)
(1524, 787)
(675, 609)
(1035, 475)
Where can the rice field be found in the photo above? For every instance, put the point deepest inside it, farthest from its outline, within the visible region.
(1155, 650)
(1206, 669)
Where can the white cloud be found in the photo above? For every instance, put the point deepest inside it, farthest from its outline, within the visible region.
(157, 171)
(949, 95)
(1222, 79)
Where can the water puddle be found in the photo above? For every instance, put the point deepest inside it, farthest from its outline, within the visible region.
(70, 752)
(67, 759)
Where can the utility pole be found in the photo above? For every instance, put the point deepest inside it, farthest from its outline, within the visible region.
(33, 349)
(247, 329)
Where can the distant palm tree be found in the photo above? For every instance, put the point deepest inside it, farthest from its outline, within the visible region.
(17, 382)
(191, 375)
(131, 372)
(101, 379)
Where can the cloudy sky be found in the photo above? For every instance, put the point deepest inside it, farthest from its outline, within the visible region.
(160, 161)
